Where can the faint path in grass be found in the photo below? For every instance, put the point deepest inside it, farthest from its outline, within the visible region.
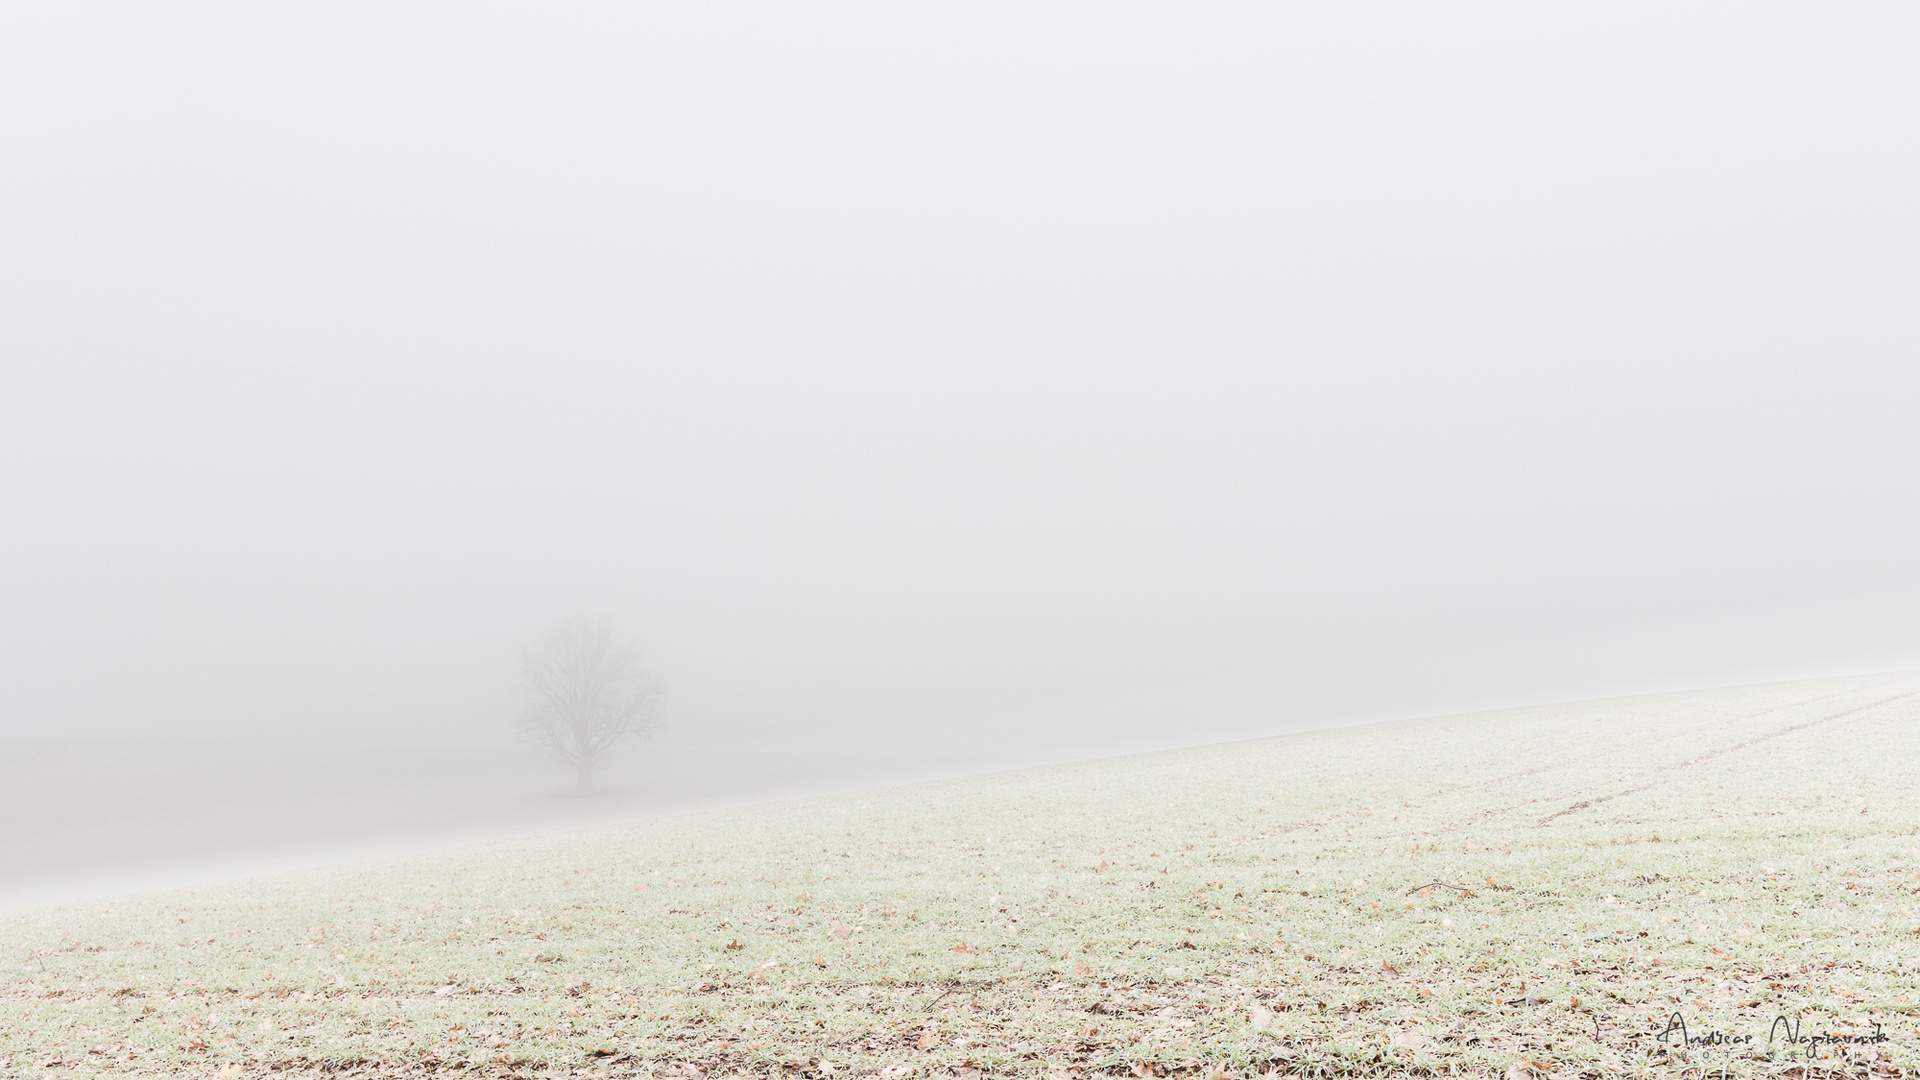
(1593, 750)
(1626, 745)
(1724, 751)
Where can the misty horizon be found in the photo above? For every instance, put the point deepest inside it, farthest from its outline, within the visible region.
(995, 381)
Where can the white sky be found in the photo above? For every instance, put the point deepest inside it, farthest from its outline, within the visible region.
(982, 376)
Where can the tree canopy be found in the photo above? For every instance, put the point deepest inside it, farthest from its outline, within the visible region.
(586, 690)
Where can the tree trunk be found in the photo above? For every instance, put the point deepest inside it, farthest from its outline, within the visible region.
(583, 780)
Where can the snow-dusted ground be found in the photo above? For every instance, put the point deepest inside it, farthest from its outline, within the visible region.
(1534, 892)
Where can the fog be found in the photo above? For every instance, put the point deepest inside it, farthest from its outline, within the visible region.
(1006, 380)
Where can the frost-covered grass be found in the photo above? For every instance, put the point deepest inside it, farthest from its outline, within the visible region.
(1528, 892)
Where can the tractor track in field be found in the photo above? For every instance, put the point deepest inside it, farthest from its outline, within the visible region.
(1660, 773)
(1510, 778)
(1507, 779)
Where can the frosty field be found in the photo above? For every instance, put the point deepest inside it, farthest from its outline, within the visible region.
(1531, 892)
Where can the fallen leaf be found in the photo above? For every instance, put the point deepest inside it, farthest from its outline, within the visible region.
(734, 945)
(1412, 1040)
(839, 929)
(963, 949)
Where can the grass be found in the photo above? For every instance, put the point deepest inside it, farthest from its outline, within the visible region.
(1536, 892)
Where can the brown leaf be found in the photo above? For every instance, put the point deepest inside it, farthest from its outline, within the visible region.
(734, 945)
(839, 929)
(963, 949)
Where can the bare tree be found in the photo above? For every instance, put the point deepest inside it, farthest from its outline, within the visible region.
(586, 691)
